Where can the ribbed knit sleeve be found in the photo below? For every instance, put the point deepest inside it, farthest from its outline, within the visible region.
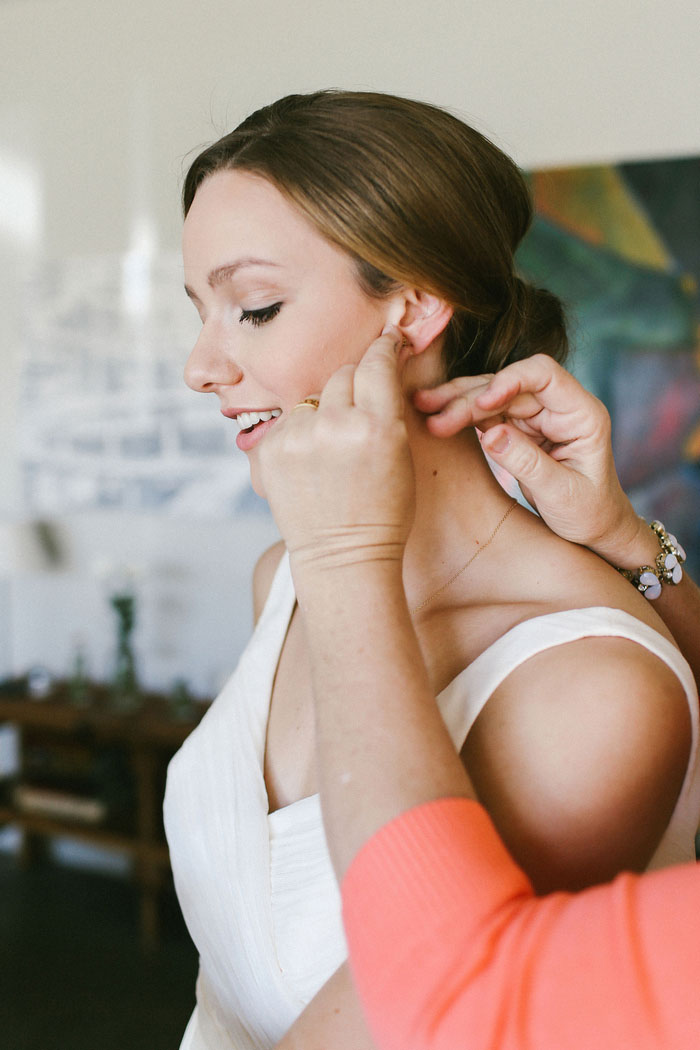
(450, 948)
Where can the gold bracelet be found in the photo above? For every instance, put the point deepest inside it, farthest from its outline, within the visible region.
(666, 569)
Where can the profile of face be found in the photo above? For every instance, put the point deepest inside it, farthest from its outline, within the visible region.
(281, 307)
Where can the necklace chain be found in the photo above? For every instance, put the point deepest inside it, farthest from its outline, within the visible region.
(475, 555)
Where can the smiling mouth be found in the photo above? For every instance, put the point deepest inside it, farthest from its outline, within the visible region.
(247, 420)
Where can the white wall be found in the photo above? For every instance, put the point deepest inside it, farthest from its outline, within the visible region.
(100, 103)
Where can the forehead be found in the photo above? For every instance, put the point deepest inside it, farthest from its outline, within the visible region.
(237, 213)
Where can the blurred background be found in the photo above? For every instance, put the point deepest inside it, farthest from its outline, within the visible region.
(128, 531)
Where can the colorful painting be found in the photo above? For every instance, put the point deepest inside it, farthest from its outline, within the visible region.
(621, 246)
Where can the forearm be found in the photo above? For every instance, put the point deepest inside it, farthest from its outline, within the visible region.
(457, 950)
(633, 544)
(382, 745)
(333, 1020)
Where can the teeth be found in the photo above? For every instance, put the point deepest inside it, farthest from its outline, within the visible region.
(249, 419)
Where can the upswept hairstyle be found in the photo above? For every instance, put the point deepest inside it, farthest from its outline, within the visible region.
(416, 197)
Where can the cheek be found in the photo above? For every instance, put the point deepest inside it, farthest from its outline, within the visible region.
(346, 340)
(296, 378)
(302, 363)
(299, 369)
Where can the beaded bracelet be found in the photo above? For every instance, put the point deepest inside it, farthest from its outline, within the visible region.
(667, 567)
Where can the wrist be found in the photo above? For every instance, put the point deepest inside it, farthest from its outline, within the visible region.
(629, 542)
(338, 570)
(665, 569)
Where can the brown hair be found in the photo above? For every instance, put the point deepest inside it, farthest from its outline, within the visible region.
(416, 197)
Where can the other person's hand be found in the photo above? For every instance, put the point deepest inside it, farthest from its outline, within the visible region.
(545, 429)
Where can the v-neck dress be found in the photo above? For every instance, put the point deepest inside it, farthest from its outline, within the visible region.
(257, 889)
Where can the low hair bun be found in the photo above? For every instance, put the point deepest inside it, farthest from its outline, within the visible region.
(533, 323)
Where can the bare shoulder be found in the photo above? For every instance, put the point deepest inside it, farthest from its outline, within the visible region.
(557, 575)
(263, 575)
(580, 756)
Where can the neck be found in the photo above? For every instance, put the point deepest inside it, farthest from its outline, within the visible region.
(458, 505)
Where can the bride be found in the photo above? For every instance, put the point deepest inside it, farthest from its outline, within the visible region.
(320, 223)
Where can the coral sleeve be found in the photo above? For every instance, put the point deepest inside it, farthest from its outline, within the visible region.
(450, 948)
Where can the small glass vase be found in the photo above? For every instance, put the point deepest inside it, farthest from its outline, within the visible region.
(181, 704)
(78, 683)
(124, 691)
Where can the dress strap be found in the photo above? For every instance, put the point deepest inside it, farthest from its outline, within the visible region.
(462, 700)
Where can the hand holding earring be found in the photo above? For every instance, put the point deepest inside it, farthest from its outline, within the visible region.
(338, 473)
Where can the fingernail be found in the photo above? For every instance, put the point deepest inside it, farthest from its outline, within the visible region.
(393, 331)
(500, 443)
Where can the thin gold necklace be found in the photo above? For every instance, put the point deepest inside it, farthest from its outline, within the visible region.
(475, 555)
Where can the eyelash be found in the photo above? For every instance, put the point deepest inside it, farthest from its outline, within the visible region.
(258, 317)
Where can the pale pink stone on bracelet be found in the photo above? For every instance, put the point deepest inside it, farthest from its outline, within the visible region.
(674, 543)
(652, 584)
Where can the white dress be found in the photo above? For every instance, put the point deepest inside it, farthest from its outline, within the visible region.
(257, 889)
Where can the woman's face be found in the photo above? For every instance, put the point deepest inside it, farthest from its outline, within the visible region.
(281, 308)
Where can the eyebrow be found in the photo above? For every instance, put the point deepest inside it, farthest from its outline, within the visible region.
(224, 273)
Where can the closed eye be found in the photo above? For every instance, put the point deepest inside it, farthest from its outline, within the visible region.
(258, 317)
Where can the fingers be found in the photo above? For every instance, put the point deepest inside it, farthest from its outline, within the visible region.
(540, 378)
(537, 393)
(437, 398)
(458, 414)
(452, 406)
(532, 467)
(376, 383)
(471, 400)
(338, 391)
(457, 405)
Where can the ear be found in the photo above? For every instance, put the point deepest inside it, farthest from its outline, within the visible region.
(420, 317)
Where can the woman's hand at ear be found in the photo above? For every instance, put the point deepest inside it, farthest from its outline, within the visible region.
(540, 425)
(339, 479)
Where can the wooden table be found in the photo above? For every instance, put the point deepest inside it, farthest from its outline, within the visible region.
(69, 745)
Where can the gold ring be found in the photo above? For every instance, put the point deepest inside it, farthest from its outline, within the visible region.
(308, 402)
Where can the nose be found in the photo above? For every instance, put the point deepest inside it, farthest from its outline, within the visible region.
(210, 365)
